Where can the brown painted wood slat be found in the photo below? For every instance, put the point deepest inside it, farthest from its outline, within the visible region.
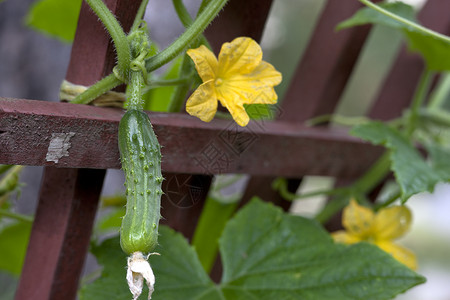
(326, 64)
(68, 198)
(189, 145)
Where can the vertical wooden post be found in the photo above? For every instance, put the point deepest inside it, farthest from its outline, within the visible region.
(68, 198)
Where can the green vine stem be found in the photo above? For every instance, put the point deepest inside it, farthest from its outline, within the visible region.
(197, 27)
(413, 25)
(441, 93)
(117, 34)
(419, 97)
(134, 91)
(154, 83)
(15, 216)
(105, 84)
(363, 185)
(179, 96)
(139, 15)
(280, 185)
(186, 19)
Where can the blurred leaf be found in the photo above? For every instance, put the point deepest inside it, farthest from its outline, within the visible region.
(111, 221)
(412, 172)
(55, 17)
(440, 160)
(209, 228)
(158, 99)
(434, 51)
(367, 15)
(13, 246)
(266, 254)
(112, 283)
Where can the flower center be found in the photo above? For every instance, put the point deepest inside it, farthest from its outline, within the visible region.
(218, 82)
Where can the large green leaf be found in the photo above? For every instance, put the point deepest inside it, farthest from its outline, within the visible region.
(55, 17)
(435, 51)
(267, 254)
(13, 246)
(412, 172)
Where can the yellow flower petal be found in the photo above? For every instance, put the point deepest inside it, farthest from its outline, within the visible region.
(205, 62)
(241, 56)
(342, 236)
(203, 102)
(257, 86)
(392, 222)
(233, 103)
(401, 254)
(357, 220)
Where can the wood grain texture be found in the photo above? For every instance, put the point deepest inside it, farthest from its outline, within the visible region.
(68, 197)
(189, 145)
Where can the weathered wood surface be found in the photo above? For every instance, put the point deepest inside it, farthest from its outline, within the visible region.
(68, 197)
(189, 145)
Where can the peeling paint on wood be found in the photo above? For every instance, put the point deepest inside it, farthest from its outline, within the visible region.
(59, 146)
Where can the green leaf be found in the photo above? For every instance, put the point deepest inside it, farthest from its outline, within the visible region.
(111, 221)
(267, 254)
(55, 18)
(367, 15)
(435, 51)
(13, 246)
(412, 172)
(178, 271)
(112, 283)
(440, 160)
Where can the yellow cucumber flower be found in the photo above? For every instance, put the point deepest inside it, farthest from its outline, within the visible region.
(238, 77)
(381, 228)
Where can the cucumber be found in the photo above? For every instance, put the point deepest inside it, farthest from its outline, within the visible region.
(140, 154)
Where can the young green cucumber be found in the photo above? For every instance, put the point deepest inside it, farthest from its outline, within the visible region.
(141, 161)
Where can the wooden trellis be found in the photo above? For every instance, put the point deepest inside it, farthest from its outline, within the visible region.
(285, 147)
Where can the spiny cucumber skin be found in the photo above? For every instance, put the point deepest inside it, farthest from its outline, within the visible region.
(140, 154)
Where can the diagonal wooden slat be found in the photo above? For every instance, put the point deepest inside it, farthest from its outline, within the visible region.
(189, 145)
(326, 65)
(68, 198)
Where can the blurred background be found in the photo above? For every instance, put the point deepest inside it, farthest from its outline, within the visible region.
(33, 65)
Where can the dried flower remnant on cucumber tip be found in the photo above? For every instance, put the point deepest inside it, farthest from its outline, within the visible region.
(239, 76)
